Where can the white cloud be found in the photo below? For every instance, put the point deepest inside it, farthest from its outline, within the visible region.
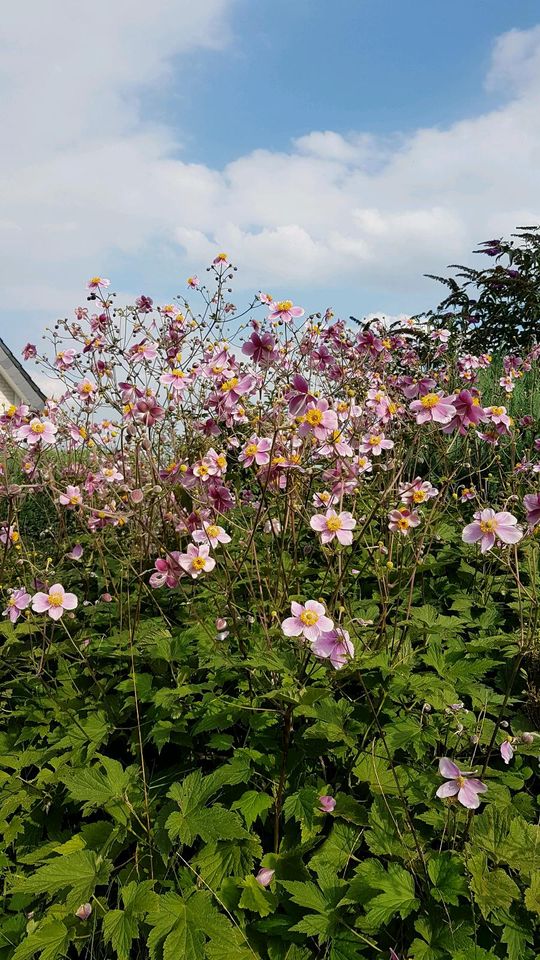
(90, 178)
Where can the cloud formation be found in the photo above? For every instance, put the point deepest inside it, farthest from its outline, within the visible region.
(90, 179)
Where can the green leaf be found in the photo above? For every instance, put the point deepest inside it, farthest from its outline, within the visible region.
(398, 896)
(306, 895)
(214, 823)
(446, 874)
(80, 871)
(177, 925)
(516, 937)
(120, 928)
(256, 898)
(492, 889)
(49, 940)
(253, 804)
(532, 894)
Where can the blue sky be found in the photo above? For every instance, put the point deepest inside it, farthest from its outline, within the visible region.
(302, 65)
(338, 151)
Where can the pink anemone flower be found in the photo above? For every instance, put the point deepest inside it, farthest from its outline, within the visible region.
(327, 804)
(332, 525)
(212, 534)
(196, 560)
(460, 783)
(433, 407)
(490, 527)
(309, 620)
(334, 645)
(17, 602)
(37, 430)
(531, 502)
(55, 602)
(284, 310)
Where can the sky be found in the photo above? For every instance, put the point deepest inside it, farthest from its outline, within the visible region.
(337, 151)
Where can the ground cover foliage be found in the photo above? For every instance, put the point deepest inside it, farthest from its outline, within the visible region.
(270, 672)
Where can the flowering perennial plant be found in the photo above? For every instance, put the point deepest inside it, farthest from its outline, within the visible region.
(267, 578)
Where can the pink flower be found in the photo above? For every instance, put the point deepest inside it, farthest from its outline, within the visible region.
(29, 351)
(17, 602)
(334, 525)
(334, 645)
(298, 396)
(531, 502)
(71, 498)
(76, 552)
(489, 527)
(433, 407)
(96, 282)
(256, 451)
(309, 620)
(193, 282)
(265, 876)
(64, 359)
(418, 491)
(375, 443)
(196, 560)
(54, 602)
(177, 380)
(319, 420)
(84, 911)
(284, 310)
(467, 790)
(403, 520)
(86, 390)
(145, 350)
(468, 412)
(261, 348)
(211, 533)
(507, 750)
(167, 571)
(327, 803)
(37, 431)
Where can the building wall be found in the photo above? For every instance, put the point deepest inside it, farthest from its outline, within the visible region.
(7, 394)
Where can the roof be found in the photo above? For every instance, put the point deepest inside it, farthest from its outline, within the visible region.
(17, 375)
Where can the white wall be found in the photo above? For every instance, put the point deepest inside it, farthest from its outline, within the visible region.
(7, 394)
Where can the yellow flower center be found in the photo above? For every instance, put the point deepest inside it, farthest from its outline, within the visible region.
(314, 417)
(284, 305)
(333, 524)
(309, 617)
(95, 280)
(55, 599)
(403, 523)
(488, 526)
(222, 257)
(73, 500)
(374, 441)
(387, 343)
(229, 384)
(392, 407)
(87, 388)
(212, 530)
(11, 410)
(461, 781)
(221, 462)
(203, 470)
(198, 563)
(251, 449)
(178, 374)
(430, 400)
(419, 496)
(497, 411)
(37, 427)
